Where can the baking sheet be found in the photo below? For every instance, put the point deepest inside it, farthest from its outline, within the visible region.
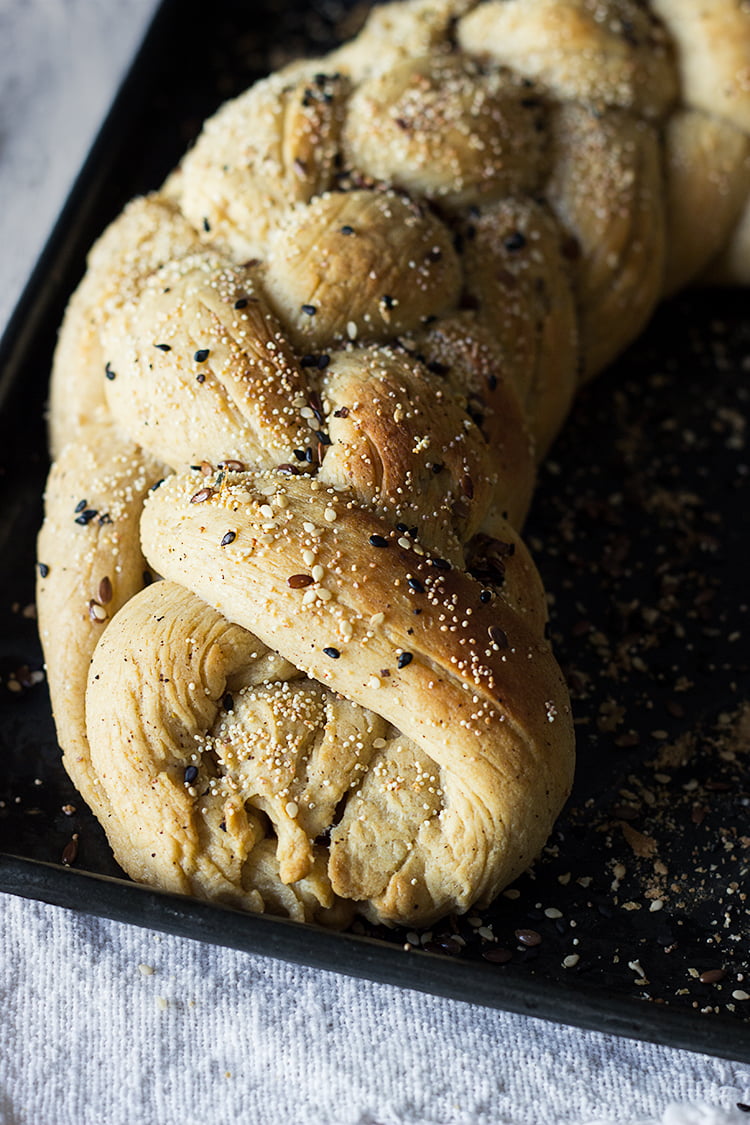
(635, 919)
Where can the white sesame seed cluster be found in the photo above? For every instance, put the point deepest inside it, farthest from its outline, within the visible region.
(296, 647)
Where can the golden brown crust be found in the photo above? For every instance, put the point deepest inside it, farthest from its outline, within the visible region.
(712, 47)
(500, 734)
(601, 52)
(606, 190)
(351, 323)
(707, 175)
(92, 565)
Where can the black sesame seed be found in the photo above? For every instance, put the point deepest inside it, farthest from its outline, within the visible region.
(200, 378)
(402, 527)
(206, 225)
(80, 505)
(515, 241)
(485, 596)
(43, 570)
(105, 517)
(309, 361)
(323, 362)
(86, 516)
(332, 652)
(404, 659)
(191, 773)
(378, 541)
(309, 309)
(158, 484)
(201, 355)
(228, 702)
(415, 585)
(300, 454)
(241, 303)
(412, 532)
(346, 229)
(440, 564)
(163, 347)
(437, 467)
(309, 455)
(228, 538)
(322, 437)
(109, 372)
(387, 301)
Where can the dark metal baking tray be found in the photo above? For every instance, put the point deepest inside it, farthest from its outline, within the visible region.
(640, 526)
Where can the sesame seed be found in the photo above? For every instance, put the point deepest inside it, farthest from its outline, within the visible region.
(378, 541)
(329, 515)
(266, 511)
(351, 330)
(109, 372)
(43, 570)
(228, 538)
(163, 347)
(291, 808)
(373, 682)
(415, 585)
(332, 652)
(97, 613)
(310, 310)
(201, 355)
(318, 572)
(191, 773)
(404, 659)
(346, 229)
(241, 303)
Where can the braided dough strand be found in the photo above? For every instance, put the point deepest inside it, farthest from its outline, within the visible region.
(345, 332)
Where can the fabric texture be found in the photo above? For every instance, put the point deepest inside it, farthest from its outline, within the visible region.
(108, 1023)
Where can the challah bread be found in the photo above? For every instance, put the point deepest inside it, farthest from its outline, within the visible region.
(305, 388)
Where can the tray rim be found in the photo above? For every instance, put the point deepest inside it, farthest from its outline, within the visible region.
(312, 946)
(367, 958)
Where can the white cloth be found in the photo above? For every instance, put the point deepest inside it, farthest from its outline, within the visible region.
(90, 1036)
(214, 1036)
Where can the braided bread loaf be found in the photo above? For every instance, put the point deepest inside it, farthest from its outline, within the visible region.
(306, 386)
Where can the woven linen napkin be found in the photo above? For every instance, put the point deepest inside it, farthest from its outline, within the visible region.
(107, 1024)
